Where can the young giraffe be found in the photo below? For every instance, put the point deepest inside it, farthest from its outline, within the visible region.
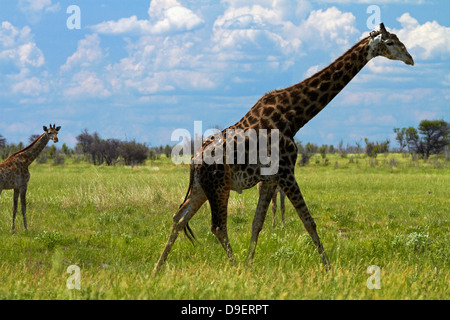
(274, 203)
(14, 172)
(287, 110)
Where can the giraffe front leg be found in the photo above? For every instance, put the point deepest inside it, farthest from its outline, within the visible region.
(266, 193)
(215, 180)
(292, 191)
(15, 204)
(23, 204)
(219, 222)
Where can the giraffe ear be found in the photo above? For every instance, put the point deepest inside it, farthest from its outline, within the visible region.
(57, 128)
(384, 33)
(45, 128)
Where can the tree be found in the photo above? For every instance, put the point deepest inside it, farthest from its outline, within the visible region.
(133, 153)
(109, 150)
(401, 138)
(323, 151)
(32, 138)
(167, 151)
(433, 138)
(341, 150)
(2, 142)
(66, 150)
(374, 148)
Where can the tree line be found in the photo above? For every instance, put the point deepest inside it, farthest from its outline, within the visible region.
(91, 147)
(431, 137)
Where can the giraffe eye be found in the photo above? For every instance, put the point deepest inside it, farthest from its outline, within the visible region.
(390, 43)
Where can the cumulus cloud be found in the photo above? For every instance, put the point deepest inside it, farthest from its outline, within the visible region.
(165, 16)
(245, 26)
(426, 41)
(86, 84)
(284, 28)
(34, 9)
(156, 64)
(38, 5)
(18, 47)
(32, 86)
(330, 27)
(88, 52)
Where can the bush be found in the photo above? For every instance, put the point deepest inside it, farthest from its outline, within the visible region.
(133, 153)
(418, 241)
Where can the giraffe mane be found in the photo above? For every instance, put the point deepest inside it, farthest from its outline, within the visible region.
(26, 148)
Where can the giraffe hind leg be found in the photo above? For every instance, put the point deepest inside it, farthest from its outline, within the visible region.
(180, 220)
(282, 206)
(292, 191)
(267, 190)
(15, 204)
(23, 204)
(274, 208)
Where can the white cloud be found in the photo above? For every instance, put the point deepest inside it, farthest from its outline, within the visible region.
(34, 9)
(376, 1)
(17, 46)
(123, 25)
(262, 26)
(86, 84)
(426, 41)
(165, 16)
(312, 70)
(329, 28)
(281, 29)
(88, 52)
(33, 86)
(171, 16)
(38, 5)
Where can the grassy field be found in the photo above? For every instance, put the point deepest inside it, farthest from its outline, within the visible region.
(113, 223)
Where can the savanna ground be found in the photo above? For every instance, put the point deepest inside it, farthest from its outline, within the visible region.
(113, 222)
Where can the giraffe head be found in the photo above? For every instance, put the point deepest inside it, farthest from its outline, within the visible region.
(383, 43)
(52, 132)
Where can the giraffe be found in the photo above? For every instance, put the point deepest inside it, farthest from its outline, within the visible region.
(14, 172)
(284, 112)
(274, 203)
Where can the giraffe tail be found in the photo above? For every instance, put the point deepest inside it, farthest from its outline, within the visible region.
(187, 230)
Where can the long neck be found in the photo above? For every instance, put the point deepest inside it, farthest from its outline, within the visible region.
(291, 108)
(314, 93)
(30, 153)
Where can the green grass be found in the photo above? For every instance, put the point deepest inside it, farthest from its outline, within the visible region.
(113, 222)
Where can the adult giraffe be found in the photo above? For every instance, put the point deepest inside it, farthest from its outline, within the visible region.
(14, 172)
(287, 110)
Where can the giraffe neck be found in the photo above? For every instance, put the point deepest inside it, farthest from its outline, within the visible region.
(291, 108)
(30, 153)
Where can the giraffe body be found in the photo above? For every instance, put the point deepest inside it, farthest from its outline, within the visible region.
(287, 111)
(14, 172)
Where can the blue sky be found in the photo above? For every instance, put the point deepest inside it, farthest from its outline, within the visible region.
(141, 69)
